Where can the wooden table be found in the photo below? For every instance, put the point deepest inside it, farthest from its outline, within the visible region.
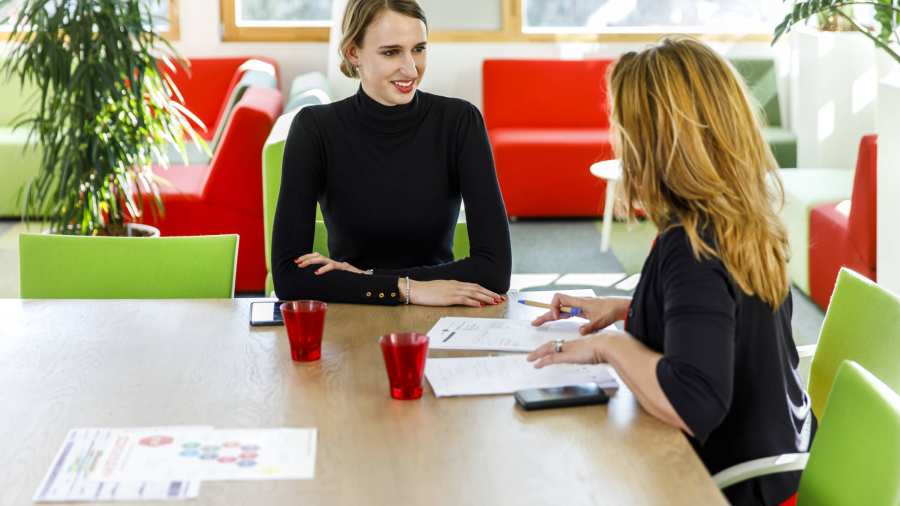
(66, 364)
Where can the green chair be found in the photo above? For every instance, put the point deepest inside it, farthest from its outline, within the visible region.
(855, 456)
(81, 267)
(21, 159)
(273, 154)
(862, 324)
(759, 75)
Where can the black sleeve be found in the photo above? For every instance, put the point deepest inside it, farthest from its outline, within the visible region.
(490, 259)
(697, 369)
(302, 180)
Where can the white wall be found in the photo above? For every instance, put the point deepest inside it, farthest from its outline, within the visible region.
(454, 69)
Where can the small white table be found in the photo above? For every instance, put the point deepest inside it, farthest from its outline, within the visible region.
(611, 171)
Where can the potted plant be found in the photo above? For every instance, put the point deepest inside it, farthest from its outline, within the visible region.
(104, 113)
(838, 15)
(834, 77)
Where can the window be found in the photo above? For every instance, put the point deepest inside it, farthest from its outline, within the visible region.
(651, 16)
(521, 20)
(165, 14)
(278, 20)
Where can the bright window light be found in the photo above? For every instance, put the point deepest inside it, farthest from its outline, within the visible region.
(299, 13)
(652, 16)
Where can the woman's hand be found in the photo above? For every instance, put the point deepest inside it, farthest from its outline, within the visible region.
(600, 311)
(328, 264)
(448, 293)
(588, 350)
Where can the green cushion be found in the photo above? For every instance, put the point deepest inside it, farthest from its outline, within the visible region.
(759, 75)
(855, 456)
(20, 164)
(784, 145)
(81, 267)
(16, 100)
(803, 190)
(862, 324)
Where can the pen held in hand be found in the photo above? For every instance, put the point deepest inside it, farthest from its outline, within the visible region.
(571, 311)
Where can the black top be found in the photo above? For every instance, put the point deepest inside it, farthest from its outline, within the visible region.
(389, 182)
(729, 364)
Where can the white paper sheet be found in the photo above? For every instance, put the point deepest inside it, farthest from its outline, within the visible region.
(498, 334)
(506, 374)
(68, 477)
(210, 455)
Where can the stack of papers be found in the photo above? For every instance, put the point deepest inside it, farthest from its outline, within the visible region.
(506, 374)
(498, 334)
(169, 463)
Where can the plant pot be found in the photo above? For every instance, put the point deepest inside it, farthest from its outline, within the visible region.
(141, 230)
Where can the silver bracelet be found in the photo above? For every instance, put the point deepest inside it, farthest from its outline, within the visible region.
(408, 292)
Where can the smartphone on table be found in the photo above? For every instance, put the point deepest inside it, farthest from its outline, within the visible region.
(561, 397)
(265, 313)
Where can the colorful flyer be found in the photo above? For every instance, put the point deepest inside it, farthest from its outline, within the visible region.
(201, 455)
(68, 478)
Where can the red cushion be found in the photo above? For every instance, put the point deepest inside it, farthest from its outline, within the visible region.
(545, 93)
(226, 196)
(827, 247)
(863, 216)
(546, 172)
(207, 85)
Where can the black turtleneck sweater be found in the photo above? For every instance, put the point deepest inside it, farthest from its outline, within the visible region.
(389, 182)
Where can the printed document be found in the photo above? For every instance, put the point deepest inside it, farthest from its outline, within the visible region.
(506, 374)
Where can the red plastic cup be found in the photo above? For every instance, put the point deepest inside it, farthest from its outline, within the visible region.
(404, 358)
(304, 321)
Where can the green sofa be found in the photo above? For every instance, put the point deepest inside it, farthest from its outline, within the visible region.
(21, 160)
(759, 75)
(309, 89)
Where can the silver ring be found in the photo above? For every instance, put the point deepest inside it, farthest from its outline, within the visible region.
(557, 345)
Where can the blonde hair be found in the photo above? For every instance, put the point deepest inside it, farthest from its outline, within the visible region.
(360, 14)
(693, 154)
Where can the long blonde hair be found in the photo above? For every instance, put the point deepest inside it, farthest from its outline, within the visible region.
(693, 154)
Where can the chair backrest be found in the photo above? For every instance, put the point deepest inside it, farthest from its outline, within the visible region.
(862, 222)
(545, 93)
(759, 75)
(862, 324)
(855, 456)
(252, 73)
(209, 82)
(239, 186)
(81, 267)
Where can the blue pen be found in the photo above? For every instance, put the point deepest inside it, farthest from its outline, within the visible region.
(572, 311)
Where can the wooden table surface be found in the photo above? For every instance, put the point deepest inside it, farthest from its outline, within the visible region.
(67, 364)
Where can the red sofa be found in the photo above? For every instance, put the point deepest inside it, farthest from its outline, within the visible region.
(225, 195)
(843, 234)
(548, 122)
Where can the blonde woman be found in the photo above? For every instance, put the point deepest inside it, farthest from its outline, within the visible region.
(707, 345)
(389, 167)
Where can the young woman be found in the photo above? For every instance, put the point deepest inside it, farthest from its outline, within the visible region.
(707, 345)
(389, 167)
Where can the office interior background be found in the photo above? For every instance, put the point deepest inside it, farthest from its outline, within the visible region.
(827, 95)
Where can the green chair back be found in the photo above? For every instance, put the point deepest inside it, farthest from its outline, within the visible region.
(81, 267)
(759, 75)
(855, 456)
(862, 324)
(273, 154)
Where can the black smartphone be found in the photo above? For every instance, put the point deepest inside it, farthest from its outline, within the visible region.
(265, 314)
(561, 397)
